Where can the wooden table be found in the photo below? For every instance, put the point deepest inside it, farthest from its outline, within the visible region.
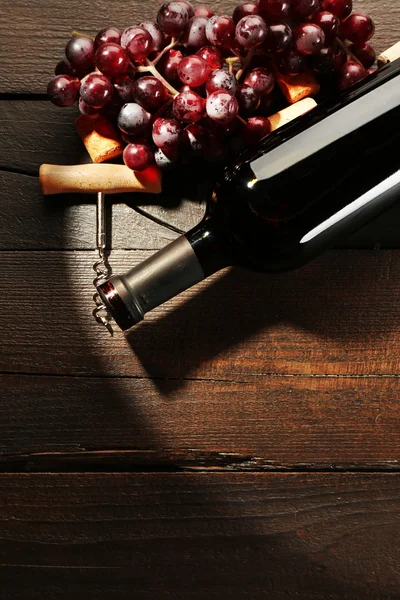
(200, 456)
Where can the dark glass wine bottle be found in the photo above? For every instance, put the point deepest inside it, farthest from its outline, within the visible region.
(318, 178)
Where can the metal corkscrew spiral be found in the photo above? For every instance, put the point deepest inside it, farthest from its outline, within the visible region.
(101, 267)
(88, 179)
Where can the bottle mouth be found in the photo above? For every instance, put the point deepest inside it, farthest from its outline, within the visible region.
(120, 304)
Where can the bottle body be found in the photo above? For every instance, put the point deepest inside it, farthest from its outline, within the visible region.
(304, 189)
(319, 178)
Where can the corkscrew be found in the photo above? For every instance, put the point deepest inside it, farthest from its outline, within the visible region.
(109, 179)
(102, 266)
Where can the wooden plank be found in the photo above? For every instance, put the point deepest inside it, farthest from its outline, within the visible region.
(31, 221)
(294, 536)
(337, 316)
(32, 46)
(264, 423)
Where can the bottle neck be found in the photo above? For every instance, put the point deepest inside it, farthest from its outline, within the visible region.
(177, 267)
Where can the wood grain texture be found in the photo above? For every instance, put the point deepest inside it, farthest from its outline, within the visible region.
(31, 221)
(265, 423)
(32, 45)
(247, 373)
(338, 316)
(288, 537)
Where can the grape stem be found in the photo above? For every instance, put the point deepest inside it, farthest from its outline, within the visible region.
(348, 51)
(241, 120)
(149, 67)
(245, 64)
(79, 34)
(174, 42)
(231, 62)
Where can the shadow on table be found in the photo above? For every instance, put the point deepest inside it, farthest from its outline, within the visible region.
(337, 297)
(252, 549)
(268, 541)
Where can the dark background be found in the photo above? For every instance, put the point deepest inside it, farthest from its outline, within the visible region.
(243, 442)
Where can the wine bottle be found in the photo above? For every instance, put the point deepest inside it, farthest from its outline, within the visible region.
(318, 178)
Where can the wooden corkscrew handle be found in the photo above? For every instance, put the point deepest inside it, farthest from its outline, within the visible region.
(92, 178)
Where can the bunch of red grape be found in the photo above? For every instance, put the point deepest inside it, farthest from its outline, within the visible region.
(195, 84)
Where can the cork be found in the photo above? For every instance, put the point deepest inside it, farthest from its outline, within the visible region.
(92, 178)
(389, 55)
(298, 87)
(291, 112)
(101, 138)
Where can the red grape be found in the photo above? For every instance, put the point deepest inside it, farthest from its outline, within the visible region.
(124, 89)
(63, 90)
(188, 6)
(290, 63)
(133, 119)
(97, 90)
(138, 157)
(195, 33)
(303, 9)
(163, 161)
(244, 10)
(202, 118)
(169, 65)
(107, 36)
(150, 93)
(189, 107)
(111, 60)
(156, 35)
(274, 10)
(140, 138)
(350, 74)
(308, 38)
(211, 55)
(248, 99)
(167, 135)
(324, 62)
(220, 31)
(365, 54)
(222, 107)
(358, 28)
(261, 79)
(194, 70)
(173, 17)
(256, 129)
(196, 139)
(279, 38)
(64, 67)
(221, 80)
(340, 8)
(80, 53)
(329, 23)
(235, 49)
(251, 31)
(86, 109)
(137, 42)
(203, 11)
